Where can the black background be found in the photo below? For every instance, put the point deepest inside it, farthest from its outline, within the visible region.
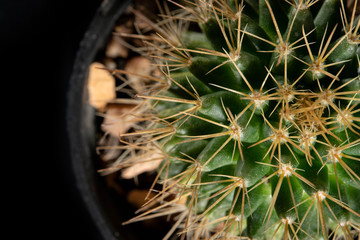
(39, 40)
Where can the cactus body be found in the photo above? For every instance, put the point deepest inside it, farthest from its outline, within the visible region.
(256, 119)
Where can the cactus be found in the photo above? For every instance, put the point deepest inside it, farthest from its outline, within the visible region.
(255, 118)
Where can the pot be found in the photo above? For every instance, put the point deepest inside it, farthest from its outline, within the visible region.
(102, 208)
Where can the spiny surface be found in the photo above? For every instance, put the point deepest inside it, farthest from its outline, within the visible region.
(255, 118)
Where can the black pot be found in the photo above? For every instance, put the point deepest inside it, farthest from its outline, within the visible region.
(102, 210)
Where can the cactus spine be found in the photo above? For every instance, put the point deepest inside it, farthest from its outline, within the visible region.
(255, 118)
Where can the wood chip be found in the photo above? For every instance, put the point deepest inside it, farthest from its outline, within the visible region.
(110, 63)
(136, 197)
(139, 65)
(117, 119)
(125, 27)
(148, 164)
(115, 48)
(101, 86)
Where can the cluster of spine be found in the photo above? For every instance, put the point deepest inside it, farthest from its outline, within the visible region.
(256, 119)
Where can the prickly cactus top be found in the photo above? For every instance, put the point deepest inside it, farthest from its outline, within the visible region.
(255, 118)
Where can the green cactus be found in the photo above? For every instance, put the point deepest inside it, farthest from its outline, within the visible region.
(256, 119)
